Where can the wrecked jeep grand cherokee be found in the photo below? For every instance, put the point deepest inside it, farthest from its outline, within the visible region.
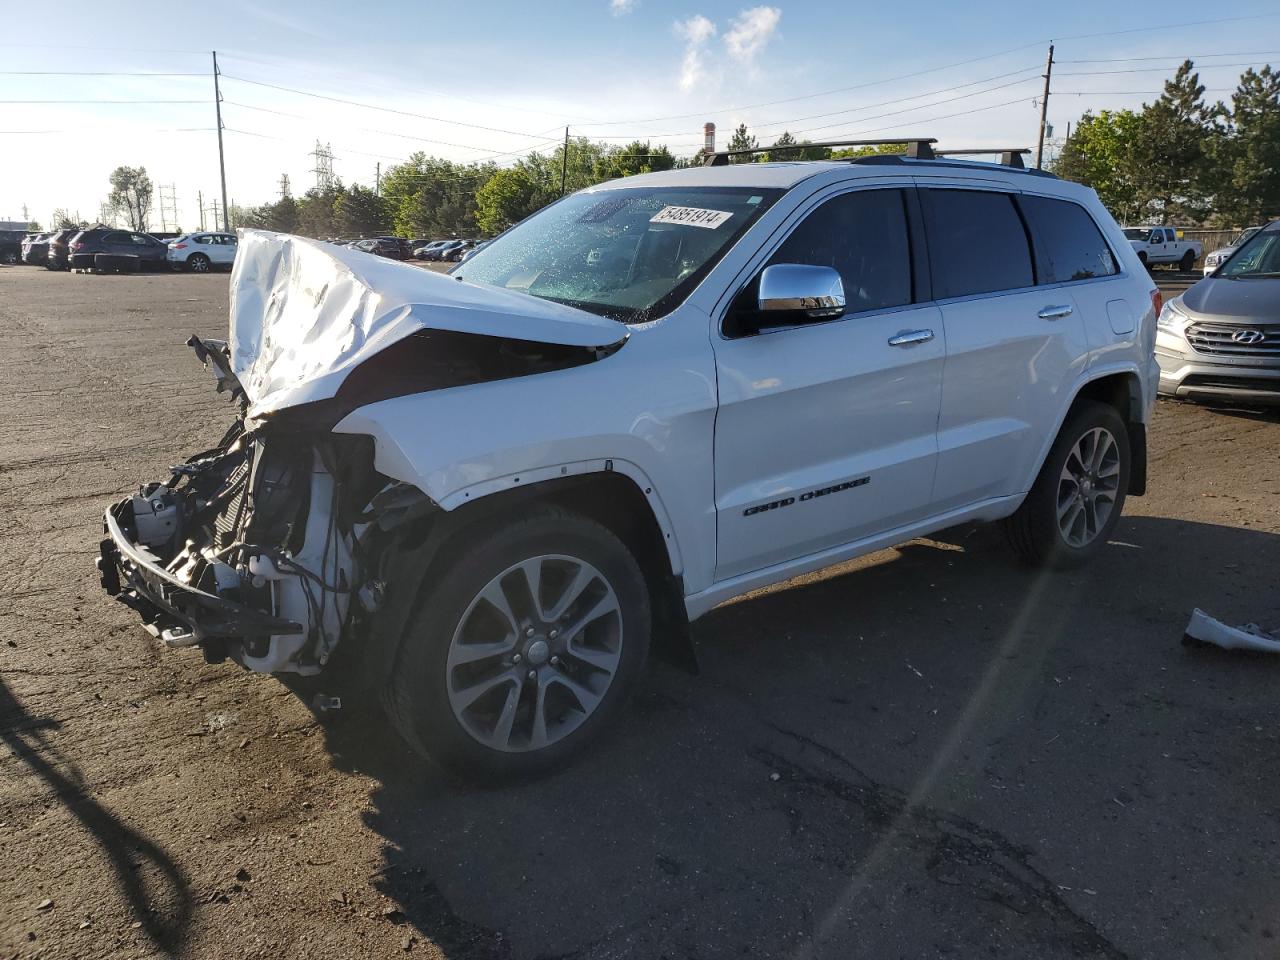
(483, 493)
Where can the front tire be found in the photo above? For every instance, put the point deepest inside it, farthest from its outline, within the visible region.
(1077, 498)
(198, 263)
(524, 649)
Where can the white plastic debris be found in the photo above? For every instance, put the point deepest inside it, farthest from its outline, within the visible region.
(1204, 629)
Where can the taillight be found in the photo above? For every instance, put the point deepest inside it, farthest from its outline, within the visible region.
(1157, 301)
(178, 246)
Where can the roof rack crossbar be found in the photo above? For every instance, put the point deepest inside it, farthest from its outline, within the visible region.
(1009, 156)
(918, 148)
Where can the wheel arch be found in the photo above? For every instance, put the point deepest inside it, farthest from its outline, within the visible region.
(616, 495)
(1121, 389)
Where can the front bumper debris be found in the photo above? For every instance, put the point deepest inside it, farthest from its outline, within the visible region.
(175, 612)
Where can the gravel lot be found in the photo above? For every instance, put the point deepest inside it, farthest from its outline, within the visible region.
(927, 752)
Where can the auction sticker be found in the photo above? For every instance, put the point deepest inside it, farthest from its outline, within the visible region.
(691, 217)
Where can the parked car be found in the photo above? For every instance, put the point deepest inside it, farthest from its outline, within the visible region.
(202, 252)
(147, 252)
(59, 254)
(1155, 245)
(1215, 259)
(1220, 340)
(393, 248)
(649, 398)
(11, 246)
(445, 251)
(425, 252)
(455, 253)
(35, 249)
(474, 250)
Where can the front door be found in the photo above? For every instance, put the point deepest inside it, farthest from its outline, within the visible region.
(826, 432)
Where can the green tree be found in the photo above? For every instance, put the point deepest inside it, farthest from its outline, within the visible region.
(131, 194)
(1173, 151)
(1248, 157)
(638, 156)
(871, 150)
(62, 219)
(33, 226)
(742, 140)
(510, 195)
(360, 212)
(787, 147)
(1101, 154)
(430, 197)
(315, 211)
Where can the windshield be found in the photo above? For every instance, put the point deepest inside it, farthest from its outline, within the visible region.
(1136, 233)
(1245, 236)
(630, 254)
(1257, 258)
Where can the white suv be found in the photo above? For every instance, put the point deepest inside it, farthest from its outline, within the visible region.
(485, 493)
(202, 252)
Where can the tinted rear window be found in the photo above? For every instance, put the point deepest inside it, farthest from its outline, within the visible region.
(977, 243)
(1068, 242)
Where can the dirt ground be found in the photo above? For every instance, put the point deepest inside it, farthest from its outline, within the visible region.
(929, 752)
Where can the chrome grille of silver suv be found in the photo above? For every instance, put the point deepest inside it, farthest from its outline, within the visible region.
(1235, 340)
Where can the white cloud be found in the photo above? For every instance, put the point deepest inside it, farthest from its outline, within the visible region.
(750, 33)
(695, 32)
(621, 8)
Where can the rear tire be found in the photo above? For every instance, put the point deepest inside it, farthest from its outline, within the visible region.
(1187, 260)
(1142, 258)
(198, 263)
(1077, 498)
(493, 696)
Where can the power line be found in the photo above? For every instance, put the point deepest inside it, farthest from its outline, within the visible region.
(1180, 56)
(373, 106)
(104, 101)
(92, 73)
(1199, 68)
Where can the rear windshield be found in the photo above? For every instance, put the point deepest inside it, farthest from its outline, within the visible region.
(1136, 233)
(630, 254)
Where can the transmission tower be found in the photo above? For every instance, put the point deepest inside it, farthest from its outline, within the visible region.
(285, 192)
(324, 165)
(168, 205)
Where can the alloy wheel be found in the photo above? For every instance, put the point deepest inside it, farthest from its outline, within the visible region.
(1088, 486)
(534, 653)
(198, 264)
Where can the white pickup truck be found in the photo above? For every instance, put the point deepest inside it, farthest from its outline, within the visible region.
(1162, 245)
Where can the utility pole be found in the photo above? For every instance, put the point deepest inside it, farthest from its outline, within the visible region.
(377, 180)
(222, 160)
(200, 204)
(1044, 107)
(564, 161)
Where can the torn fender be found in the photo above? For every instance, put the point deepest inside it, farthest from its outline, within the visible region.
(304, 314)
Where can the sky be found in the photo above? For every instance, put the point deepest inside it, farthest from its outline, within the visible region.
(493, 80)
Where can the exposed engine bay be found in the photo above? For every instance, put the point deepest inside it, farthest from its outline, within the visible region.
(261, 549)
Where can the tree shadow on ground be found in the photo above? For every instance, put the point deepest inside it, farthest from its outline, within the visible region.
(163, 906)
(811, 791)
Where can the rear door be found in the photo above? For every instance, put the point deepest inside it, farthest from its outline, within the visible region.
(1013, 348)
(826, 432)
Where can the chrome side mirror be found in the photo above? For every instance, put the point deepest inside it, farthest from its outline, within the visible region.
(795, 292)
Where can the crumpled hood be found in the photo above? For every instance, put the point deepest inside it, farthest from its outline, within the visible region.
(304, 314)
(1256, 300)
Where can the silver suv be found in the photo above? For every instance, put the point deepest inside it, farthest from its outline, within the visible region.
(1221, 338)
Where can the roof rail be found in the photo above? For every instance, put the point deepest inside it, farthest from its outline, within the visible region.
(1009, 156)
(918, 148)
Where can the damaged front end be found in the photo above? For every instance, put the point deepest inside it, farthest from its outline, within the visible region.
(264, 548)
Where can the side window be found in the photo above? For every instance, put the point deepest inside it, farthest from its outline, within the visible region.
(863, 235)
(977, 243)
(115, 237)
(203, 238)
(1068, 242)
(140, 240)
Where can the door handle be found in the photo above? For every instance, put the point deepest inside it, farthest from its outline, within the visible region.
(911, 337)
(1056, 313)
